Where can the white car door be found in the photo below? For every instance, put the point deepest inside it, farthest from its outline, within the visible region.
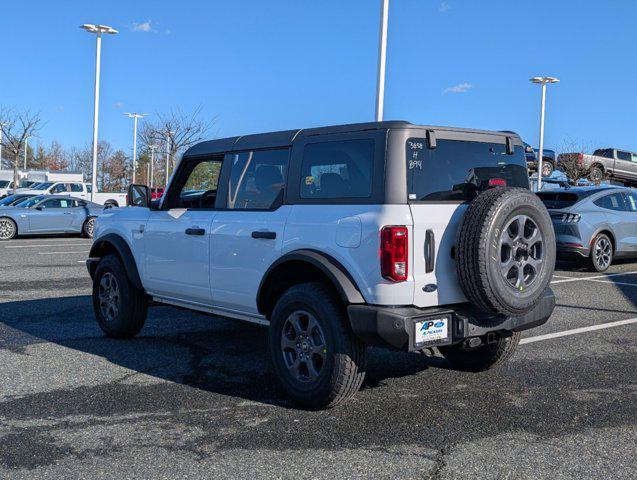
(247, 235)
(177, 237)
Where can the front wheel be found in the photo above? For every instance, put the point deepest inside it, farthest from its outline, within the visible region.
(601, 255)
(8, 229)
(120, 309)
(547, 168)
(483, 357)
(596, 175)
(316, 357)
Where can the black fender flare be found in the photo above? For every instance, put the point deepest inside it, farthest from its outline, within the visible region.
(107, 244)
(339, 276)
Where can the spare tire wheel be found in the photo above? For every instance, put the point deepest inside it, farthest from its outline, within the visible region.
(505, 251)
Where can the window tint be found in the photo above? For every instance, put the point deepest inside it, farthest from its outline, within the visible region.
(89, 188)
(59, 188)
(56, 203)
(614, 201)
(631, 202)
(604, 152)
(76, 187)
(558, 199)
(458, 170)
(257, 178)
(79, 203)
(624, 155)
(338, 169)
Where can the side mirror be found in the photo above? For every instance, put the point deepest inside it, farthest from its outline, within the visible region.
(39, 208)
(138, 196)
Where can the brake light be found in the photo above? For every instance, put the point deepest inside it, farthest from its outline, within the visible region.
(580, 159)
(497, 182)
(394, 250)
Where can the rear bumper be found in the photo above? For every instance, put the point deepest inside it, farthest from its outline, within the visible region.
(395, 327)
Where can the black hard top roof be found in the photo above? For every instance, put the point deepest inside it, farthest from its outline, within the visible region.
(286, 137)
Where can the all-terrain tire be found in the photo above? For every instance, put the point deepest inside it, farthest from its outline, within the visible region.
(120, 315)
(480, 251)
(484, 357)
(343, 369)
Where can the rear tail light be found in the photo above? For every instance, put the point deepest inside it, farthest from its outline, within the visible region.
(580, 159)
(570, 217)
(497, 182)
(394, 251)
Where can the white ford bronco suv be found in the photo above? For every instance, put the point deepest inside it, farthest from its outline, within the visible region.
(337, 238)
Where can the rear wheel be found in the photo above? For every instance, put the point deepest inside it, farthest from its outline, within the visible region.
(8, 229)
(483, 357)
(316, 357)
(547, 168)
(120, 309)
(601, 255)
(88, 227)
(596, 175)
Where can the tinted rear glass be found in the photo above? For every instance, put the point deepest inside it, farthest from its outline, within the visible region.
(558, 199)
(458, 170)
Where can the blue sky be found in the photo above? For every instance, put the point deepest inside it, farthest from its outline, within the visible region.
(269, 65)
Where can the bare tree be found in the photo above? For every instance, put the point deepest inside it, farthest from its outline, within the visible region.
(569, 159)
(16, 128)
(179, 129)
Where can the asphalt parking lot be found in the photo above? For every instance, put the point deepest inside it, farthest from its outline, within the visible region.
(192, 395)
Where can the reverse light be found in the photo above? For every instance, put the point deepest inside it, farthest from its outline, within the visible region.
(394, 251)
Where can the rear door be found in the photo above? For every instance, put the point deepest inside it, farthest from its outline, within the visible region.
(441, 181)
(247, 235)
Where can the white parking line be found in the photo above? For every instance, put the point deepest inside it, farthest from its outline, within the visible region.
(62, 253)
(576, 279)
(612, 282)
(49, 245)
(575, 331)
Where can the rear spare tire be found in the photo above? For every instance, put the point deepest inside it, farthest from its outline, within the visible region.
(505, 251)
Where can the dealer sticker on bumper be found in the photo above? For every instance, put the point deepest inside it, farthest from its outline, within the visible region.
(432, 330)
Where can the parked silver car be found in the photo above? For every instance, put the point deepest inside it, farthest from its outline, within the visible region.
(45, 214)
(598, 223)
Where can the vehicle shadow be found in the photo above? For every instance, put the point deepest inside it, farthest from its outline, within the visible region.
(208, 353)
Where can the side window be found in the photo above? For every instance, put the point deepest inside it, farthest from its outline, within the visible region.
(614, 201)
(200, 188)
(76, 187)
(631, 202)
(624, 155)
(257, 179)
(634, 157)
(78, 203)
(53, 203)
(89, 188)
(337, 169)
(58, 188)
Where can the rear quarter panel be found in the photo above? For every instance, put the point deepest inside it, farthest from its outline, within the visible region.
(351, 235)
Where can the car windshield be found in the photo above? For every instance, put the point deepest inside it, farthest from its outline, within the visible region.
(28, 203)
(41, 186)
(4, 183)
(458, 170)
(8, 200)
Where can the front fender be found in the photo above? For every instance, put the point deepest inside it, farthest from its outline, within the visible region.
(113, 243)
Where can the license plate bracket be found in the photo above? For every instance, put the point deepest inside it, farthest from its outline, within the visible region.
(432, 331)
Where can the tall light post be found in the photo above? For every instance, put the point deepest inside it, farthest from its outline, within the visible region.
(168, 134)
(135, 117)
(98, 30)
(152, 166)
(2, 124)
(382, 57)
(542, 81)
(26, 149)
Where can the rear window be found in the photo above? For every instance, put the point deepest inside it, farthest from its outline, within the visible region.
(458, 170)
(558, 199)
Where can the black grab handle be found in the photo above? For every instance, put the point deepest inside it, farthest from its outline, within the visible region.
(263, 234)
(430, 251)
(195, 231)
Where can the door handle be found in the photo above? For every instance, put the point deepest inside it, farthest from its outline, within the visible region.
(430, 251)
(195, 231)
(67, 213)
(264, 234)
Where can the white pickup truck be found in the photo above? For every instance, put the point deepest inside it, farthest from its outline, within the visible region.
(78, 190)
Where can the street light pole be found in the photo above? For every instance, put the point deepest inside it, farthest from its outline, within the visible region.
(168, 133)
(26, 149)
(98, 30)
(135, 117)
(152, 166)
(542, 81)
(2, 124)
(382, 54)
